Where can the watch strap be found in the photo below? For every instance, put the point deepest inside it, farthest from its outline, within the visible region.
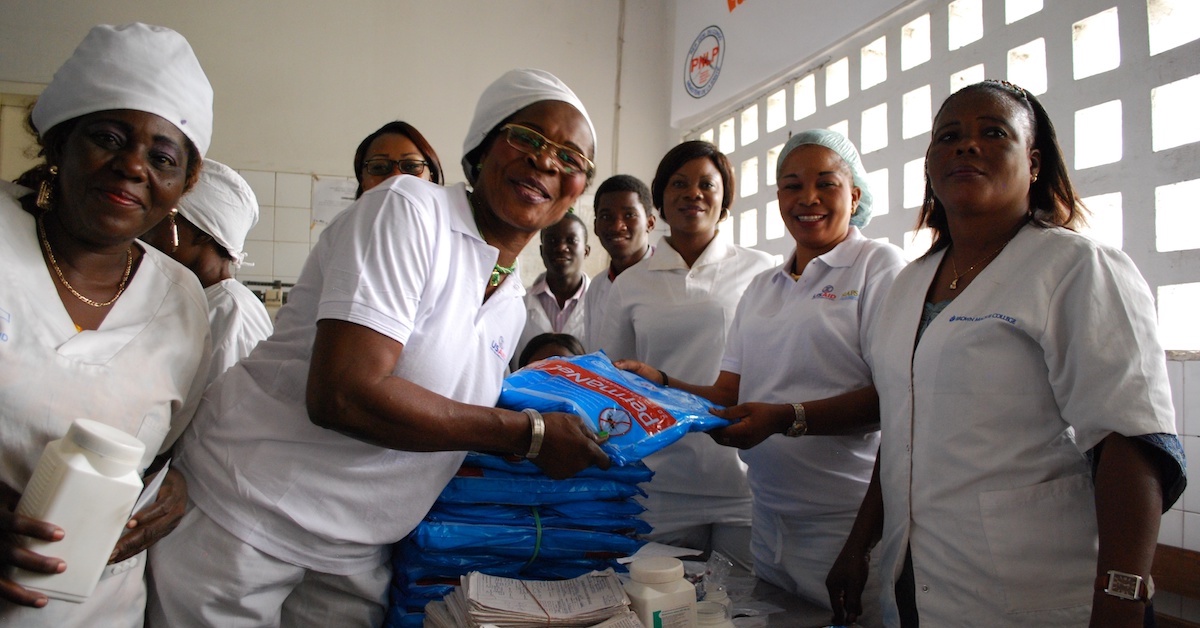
(1127, 586)
(799, 426)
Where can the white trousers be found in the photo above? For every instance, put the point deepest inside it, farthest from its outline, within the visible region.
(201, 576)
(700, 522)
(118, 601)
(796, 553)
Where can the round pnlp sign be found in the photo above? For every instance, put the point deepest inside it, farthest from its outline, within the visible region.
(704, 62)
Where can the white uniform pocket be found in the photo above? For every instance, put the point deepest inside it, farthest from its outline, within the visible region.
(1042, 540)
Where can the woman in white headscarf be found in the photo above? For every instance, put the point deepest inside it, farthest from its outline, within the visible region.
(95, 324)
(798, 336)
(308, 459)
(207, 236)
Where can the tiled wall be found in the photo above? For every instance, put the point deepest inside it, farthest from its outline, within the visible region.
(1181, 525)
(286, 231)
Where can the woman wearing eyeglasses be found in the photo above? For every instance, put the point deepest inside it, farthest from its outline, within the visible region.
(394, 148)
(332, 439)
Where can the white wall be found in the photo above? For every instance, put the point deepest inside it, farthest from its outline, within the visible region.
(764, 39)
(299, 83)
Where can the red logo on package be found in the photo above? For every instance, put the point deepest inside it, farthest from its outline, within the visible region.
(652, 417)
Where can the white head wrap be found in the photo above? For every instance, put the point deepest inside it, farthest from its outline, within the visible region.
(510, 93)
(837, 143)
(135, 66)
(223, 206)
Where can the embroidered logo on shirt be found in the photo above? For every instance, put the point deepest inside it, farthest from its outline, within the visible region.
(498, 348)
(826, 293)
(849, 295)
(975, 319)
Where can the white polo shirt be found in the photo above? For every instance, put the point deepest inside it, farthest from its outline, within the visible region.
(798, 340)
(675, 318)
(1052, 347)
(407, 261)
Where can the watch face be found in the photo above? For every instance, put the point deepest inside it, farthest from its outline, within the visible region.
(1123, 585)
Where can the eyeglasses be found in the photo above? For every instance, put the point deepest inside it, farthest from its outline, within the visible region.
(381, 167)
(529, 141)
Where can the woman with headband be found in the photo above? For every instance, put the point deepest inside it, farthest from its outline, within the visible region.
(95, 323)
(330, 442)
(207, 236)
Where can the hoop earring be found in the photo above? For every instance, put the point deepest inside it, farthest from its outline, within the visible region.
(174, 229)
(45, 196)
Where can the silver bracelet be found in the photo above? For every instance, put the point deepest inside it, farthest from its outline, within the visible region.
(537, 426)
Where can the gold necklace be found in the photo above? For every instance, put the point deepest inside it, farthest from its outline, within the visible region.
(958, 275)
(62, 278)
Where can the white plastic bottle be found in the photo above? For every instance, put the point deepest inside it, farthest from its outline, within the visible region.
(659, 594)
(717, 593)
(713, 614)
(85, 483)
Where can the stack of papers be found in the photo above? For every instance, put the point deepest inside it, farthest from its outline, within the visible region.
(594, 599)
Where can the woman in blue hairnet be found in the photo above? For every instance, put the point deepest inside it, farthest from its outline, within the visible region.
(798, 335)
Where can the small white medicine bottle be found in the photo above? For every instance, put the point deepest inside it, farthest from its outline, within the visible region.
(659, 594)
(85, 483)
(713, 614)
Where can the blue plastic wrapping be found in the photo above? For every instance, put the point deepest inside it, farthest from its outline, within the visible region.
(633, 473)
(486, 486)
(521, 542)
(549, 516)
(639, 417)
(414, 565)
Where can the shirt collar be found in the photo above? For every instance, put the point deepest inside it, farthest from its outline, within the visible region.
(461, 218)
(612, 275)
(841, 256)
(541, 287)
(670, 259)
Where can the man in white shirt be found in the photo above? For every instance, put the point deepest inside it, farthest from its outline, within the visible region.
(623, 224)
(555, 301)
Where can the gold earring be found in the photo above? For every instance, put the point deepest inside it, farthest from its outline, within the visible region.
(46, 190)
(1034, 179)
(174, 229)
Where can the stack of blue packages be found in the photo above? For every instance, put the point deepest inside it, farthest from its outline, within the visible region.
(506, 518)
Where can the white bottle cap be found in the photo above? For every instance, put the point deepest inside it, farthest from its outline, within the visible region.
(106, 441)
(656, 569)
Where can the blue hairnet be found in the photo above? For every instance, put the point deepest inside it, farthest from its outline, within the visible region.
(837, 143)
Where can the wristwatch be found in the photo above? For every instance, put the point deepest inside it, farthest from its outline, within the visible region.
(800, 425)
(1126, 586)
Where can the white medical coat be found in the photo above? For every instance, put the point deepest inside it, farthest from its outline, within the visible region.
(239, 321)
(142, 371)
(985, 423)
